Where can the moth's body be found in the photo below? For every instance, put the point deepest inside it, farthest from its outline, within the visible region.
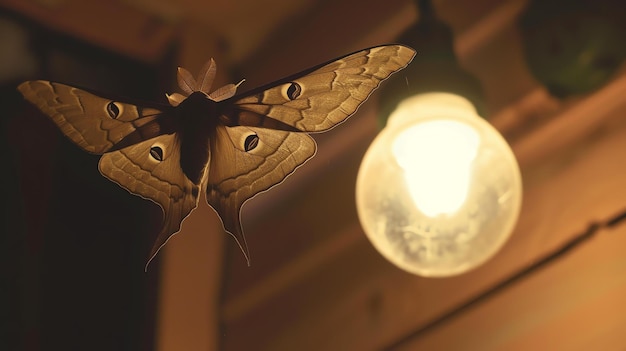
(231, 146)
(199, 120)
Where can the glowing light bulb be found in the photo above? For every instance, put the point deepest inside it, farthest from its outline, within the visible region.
(439, 190)
(438, 182)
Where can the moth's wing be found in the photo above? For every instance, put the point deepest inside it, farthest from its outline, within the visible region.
(319, 98)
(314, 100)
(95, 123)
(236, 175)
(126, 134)
(151, 169)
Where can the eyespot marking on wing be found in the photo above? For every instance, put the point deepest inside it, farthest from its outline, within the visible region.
(156, 152)
(251, 142)
(291, 91)
(114, 109)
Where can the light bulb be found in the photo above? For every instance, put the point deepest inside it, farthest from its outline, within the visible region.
(439, 190)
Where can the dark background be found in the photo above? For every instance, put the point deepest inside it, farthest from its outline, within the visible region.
(73, 244)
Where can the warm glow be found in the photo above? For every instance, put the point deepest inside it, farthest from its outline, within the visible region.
(437, 157)
(439, 190)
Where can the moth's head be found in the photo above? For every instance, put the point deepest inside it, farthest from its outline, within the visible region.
(197, 101)
(202, 84)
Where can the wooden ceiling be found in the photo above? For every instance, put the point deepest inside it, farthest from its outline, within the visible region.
(315, 282)
(244, 26)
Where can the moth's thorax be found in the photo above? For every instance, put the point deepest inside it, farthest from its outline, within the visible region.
(198, 107)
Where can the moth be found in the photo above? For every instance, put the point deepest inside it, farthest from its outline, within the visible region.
(230, 146)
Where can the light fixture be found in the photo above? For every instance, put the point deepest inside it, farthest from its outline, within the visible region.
(439, 190)
(435, 68)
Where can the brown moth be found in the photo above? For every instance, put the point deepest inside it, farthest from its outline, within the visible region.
(230, 146)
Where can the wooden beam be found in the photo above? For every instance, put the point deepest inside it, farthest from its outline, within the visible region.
(112, 25)
(192, 260)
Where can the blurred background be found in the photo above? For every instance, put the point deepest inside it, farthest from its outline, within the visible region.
(549, 75)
